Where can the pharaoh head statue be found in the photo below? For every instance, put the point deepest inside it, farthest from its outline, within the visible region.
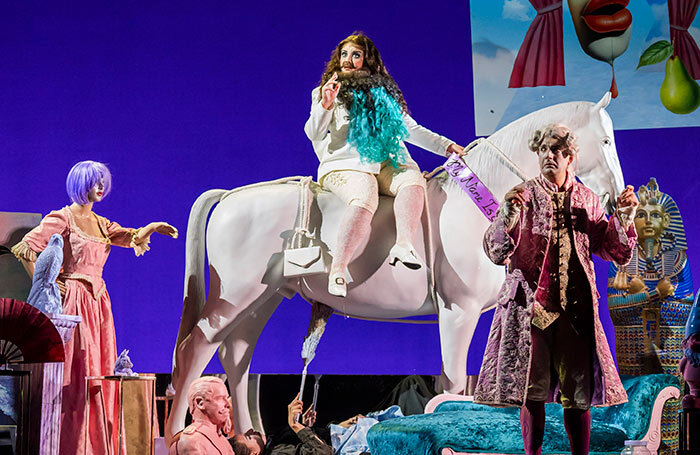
(652, 216)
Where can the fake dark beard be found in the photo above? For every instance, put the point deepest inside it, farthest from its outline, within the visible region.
(357, 74)
(361, 81)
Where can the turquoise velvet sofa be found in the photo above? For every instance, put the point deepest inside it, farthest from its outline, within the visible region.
(453, 425)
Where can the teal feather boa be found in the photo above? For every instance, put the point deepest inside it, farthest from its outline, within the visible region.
(376, 127)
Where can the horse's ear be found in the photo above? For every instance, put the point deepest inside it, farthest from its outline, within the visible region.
(604, 101)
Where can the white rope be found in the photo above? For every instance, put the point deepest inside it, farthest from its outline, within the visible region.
(302, 230)
(362, 318)
(507, 162)
(399, 321)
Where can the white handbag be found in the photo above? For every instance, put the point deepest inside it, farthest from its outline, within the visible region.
(303, 260)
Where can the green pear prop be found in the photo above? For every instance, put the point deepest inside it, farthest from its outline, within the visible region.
(679, 93)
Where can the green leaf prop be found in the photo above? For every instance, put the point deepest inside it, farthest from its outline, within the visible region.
(656, 53)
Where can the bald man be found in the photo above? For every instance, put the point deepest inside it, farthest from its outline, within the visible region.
(211, 420)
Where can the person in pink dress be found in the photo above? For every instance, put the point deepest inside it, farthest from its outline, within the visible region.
(87, 240)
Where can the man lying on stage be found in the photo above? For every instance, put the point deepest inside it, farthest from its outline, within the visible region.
(211, 420)
(305, 441)
(546, 341)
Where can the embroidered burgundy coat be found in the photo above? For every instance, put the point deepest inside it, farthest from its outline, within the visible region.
(505, 370)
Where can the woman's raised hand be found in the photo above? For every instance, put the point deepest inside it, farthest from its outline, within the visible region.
(329, 91)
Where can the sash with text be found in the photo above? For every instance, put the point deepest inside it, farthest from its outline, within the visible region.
(470, 183)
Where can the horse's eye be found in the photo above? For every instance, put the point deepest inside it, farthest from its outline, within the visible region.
(606, 141)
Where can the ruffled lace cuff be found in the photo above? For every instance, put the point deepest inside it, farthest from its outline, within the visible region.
(509, 213)
(24, 252)
(141, 247)
(626, 215)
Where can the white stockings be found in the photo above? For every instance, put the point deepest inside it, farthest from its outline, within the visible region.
(354, 228)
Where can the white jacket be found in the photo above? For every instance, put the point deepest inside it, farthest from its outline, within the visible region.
(328, 132)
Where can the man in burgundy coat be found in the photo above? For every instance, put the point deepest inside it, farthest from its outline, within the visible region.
(546, 341)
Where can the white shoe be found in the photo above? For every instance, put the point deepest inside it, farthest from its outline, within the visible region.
(407, 256)
(337, 285)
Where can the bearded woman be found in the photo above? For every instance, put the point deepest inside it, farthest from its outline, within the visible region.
(358, 124)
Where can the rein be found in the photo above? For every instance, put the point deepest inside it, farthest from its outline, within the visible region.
(503, 159)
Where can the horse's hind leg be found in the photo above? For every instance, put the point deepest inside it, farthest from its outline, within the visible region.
(192, 356)
(196, 350)
(235, 355)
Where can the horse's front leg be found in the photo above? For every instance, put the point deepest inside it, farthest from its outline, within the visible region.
(192, 356)
(235, 355)
(457, 317)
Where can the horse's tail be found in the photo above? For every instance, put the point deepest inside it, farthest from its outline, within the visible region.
(195, 249)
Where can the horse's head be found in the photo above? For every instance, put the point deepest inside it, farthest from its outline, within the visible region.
(597, 164)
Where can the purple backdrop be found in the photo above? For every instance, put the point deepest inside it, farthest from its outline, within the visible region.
(180, 97)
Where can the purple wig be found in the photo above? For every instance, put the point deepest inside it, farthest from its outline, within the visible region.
(83, 177)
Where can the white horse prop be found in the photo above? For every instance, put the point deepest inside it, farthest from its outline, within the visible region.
(251, 227)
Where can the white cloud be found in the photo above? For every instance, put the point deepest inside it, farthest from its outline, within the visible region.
(660, 26)
(491, 93)
(660, 13)
(516, 9)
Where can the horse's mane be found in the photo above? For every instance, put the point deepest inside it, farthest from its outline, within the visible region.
(512, 140)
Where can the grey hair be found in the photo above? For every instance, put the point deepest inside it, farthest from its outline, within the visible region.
(201, 388)
(557, 131)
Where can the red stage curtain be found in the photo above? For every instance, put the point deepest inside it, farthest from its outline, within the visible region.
(540, 60)
(680, 15)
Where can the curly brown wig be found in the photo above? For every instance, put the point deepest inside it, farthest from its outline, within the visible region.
(372, 65)
(564, 136)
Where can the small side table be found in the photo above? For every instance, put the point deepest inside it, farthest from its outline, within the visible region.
(142, 388)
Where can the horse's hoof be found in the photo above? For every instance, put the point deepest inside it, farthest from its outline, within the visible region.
(337, 285)
(170, 391)
(407, 256)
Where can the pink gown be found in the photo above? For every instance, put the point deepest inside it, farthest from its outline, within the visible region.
(92, 349)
